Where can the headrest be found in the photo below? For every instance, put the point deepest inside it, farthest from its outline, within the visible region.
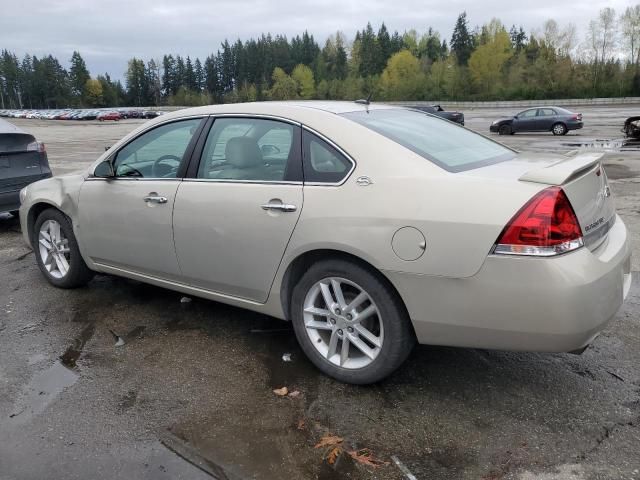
(243, 152)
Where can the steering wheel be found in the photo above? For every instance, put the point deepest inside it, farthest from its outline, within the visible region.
(160, 169)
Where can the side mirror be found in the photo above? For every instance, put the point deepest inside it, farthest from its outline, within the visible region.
(104, 170)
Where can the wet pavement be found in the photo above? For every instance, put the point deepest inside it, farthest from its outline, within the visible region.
(121, 380)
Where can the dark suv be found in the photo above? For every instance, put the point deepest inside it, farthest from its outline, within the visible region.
(23, 160)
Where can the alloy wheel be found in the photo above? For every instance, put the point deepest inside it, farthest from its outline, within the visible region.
(343, 323)
(54, 249)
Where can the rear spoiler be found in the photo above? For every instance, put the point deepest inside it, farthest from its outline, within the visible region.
(564, 170)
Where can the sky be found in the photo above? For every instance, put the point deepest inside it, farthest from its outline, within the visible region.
(108, 33)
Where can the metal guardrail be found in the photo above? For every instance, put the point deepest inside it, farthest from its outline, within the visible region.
(527, 103)
(489, 104)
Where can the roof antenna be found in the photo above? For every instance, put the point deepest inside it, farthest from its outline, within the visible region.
(365, 101)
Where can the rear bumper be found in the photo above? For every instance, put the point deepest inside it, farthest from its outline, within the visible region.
(532, 304)
(575, 125)
(10, 195)
(9, 201)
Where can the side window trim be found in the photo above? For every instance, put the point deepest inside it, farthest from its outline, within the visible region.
(186, 158)
(340, 150)
(191, 173)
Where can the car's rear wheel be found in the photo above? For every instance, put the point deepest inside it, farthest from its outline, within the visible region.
(559, 129)
(504, 130)
(57, 251)
(349, 323)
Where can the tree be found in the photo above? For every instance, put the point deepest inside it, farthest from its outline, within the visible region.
(461, 41)
(601, 41)
(78, 75)
(198, 73)
(487, 61)
(93, 93)
(402, 78)
(305, 85)
(284, 87)
(630, 21)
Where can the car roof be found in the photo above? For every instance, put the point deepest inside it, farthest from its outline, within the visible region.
(6, 127)
(290, 107)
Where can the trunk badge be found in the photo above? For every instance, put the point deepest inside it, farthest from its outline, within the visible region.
(364, 181)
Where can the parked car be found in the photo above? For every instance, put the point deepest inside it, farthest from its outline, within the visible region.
(457, 117)
(368, 226)
(540, 119)
(631, 127)
(102, 116)
(23, 160)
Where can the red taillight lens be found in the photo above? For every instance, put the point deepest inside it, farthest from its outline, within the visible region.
(545, 226)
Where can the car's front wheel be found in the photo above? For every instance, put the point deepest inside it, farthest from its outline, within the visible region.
(57, 251)
(504, 130)
(350, 323)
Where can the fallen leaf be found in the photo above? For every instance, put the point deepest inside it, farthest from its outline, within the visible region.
(301, 424)
(294, 394)
(333, 455)
(329, 441)
(281, 392)
(365, 457)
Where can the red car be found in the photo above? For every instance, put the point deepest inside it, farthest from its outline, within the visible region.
(109, 116)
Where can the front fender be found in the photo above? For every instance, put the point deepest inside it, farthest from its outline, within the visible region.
(60, 192)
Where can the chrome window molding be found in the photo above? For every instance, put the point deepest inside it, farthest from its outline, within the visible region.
(230, 180)
(261, 116)
(132, 179)
(339, 149)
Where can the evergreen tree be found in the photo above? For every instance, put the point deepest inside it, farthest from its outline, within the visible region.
(461, 40)
(198, 75)
(78, 75)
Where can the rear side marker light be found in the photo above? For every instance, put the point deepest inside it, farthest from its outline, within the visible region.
(546, 226)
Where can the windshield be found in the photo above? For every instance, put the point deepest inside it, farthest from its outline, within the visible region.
(446, 144)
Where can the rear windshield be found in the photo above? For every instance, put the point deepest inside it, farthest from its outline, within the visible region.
(15, 142)
(446, 144)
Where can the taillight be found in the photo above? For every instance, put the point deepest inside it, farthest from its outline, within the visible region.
(545, 226)
(36, 147)
(577, 116)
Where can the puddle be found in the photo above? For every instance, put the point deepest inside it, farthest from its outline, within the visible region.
(71, 355)
(43, 388)
(47, 384)
(615, 145)
(617, 171)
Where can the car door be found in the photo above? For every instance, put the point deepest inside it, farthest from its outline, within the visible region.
(525, 121)
(545, 119)
(233, 219)
(125, 220)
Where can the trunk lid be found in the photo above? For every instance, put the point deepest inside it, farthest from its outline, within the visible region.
(581, 176)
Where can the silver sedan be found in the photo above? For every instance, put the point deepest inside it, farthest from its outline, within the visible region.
(369, 227)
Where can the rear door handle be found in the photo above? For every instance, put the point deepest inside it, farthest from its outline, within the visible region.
(283, 207)
(153, 197)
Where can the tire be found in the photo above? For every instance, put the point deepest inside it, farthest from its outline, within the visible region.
(505, 130)
(77, 273)
(559, 129)
(389, 326)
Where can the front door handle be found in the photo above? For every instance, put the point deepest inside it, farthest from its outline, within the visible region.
(283, 207)
(153, 197)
